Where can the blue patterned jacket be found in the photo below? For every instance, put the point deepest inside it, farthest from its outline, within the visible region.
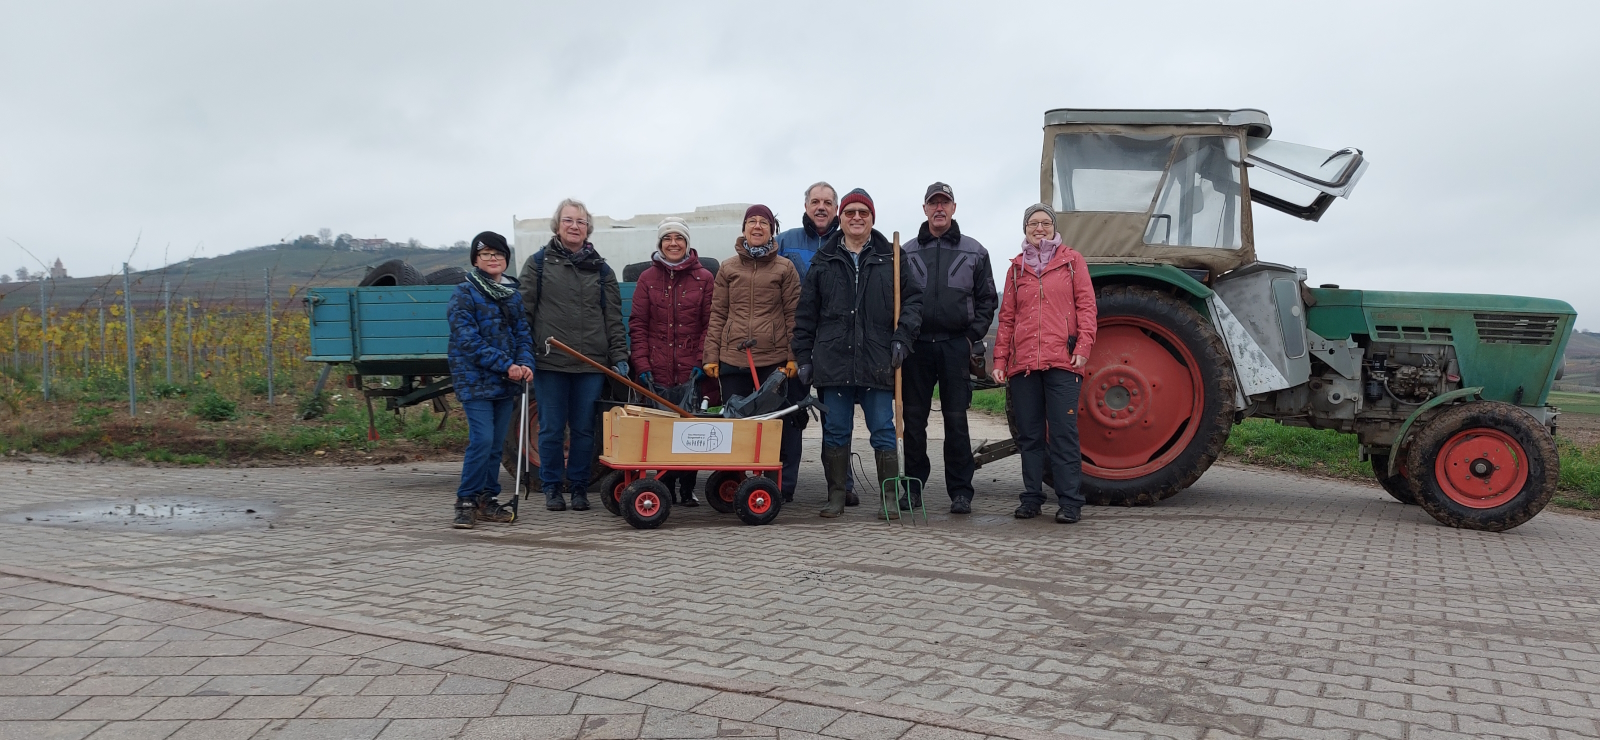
(484, 344)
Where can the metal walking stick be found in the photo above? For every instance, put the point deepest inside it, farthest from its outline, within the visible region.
(890, 491)
(522, 452)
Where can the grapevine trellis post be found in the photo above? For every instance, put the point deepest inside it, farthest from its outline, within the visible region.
(16, 341)
(266, 278)
(166, 312)
(127, 318)
(44, 342)
(102, 330)
(188, 325)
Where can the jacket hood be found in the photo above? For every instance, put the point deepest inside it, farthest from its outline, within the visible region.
(811, 228)
(953, 235)
(690, 261)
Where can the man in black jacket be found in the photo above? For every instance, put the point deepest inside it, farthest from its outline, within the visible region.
(848, 340)
(958, 302)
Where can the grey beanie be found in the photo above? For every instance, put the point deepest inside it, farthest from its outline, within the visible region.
(672, 225)
(1036, 208)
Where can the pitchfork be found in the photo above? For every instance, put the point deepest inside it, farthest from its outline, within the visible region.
(890, 491)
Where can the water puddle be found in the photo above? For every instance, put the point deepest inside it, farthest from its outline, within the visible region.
(185, 515)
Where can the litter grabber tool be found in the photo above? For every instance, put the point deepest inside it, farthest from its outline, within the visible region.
(614, 375)
(750, 357)
(522, 453)
(899, 488)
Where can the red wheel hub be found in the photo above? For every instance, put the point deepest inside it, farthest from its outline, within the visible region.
(1141, 401)
(760, 501)
(616, 491)
(728, 490)
(1481, 468)
(647, 504)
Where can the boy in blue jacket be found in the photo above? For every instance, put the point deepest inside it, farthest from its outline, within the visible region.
(491, 360)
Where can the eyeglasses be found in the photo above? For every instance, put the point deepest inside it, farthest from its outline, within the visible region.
(757, 221)
(491, 256)
(1038, 224)
(856, 213)
(568, 221)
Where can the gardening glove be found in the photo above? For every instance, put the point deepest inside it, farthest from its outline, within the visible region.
(711, 369)
(805, 374)
(790, 369)
(898, 354)
(644, 378)
(621, 368)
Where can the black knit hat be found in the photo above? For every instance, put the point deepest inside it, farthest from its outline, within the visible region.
(490, 241)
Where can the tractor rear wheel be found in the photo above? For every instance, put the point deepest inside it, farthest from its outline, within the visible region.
(1395, 485)
(1157, 400)
(1484, 465)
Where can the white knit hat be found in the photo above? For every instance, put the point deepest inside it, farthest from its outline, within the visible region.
(672, 225)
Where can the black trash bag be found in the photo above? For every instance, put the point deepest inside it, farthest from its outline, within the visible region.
(686, 395)
(768, 398)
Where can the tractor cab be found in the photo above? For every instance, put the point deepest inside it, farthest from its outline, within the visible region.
(1175, 186)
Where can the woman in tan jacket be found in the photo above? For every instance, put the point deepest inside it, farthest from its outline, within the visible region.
(754, 298)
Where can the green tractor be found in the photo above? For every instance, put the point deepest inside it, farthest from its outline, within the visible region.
(1446, 392)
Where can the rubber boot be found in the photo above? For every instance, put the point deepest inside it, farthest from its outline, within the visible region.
(888, 467)
(835, 464)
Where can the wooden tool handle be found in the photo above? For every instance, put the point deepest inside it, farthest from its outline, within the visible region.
(553, 342)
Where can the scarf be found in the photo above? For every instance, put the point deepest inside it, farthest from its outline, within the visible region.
(758, 252)
(1035, 258)
(659, 257)
(493, 289)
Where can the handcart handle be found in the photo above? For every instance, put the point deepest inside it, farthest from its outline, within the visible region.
(614, 375)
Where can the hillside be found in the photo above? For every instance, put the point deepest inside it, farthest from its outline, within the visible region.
(231, 278)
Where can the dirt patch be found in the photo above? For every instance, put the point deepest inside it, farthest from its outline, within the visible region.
(1583, 429)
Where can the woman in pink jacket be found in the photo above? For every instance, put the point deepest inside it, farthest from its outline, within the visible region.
(1047, 327)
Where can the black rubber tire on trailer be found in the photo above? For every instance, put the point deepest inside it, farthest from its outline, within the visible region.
(391, 273)
(1484, 465)
(1395, 485)
(722, 490)
(631, 273)
(446, 276)
(711, 264)
(1134, 320)
(646, 503)
(759, 500)
(609, 488)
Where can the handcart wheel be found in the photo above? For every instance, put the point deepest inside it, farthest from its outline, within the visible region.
(722, 490)
(758, 500)
(646, 503)
(610, 490)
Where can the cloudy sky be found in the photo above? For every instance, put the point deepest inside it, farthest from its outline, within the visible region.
(216, 126)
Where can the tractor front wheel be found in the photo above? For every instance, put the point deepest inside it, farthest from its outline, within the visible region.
(1395, 485)
(1484, 465)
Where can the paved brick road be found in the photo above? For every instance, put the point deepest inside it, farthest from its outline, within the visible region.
(1257, 604)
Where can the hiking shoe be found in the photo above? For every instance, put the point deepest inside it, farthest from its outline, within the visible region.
(686, 496)
(553, 500)
(580, 499)
(961, 505)
(1026, 511)
(1068, 516)
(466, 513)
(490, 510)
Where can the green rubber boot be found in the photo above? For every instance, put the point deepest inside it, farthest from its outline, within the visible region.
(888, 467)
(835, 467)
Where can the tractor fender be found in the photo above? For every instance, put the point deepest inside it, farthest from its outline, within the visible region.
(1155, 276)
(1435, 402)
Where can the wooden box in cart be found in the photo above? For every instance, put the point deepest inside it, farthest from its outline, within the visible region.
(635, 440)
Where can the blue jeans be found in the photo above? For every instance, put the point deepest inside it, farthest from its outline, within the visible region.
(566, 404)
(487, 422)
(877, 407)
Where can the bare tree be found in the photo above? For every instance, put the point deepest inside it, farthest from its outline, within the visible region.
(325, 235)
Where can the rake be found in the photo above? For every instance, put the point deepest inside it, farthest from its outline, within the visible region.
(890, 491)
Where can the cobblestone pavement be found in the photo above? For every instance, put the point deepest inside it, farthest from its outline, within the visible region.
(84, 663)
(1257, 604)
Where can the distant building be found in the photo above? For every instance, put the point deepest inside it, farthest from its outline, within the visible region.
(624, 242)
(368, 245)
(58, 271)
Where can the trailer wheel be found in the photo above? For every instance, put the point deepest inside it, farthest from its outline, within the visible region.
(759, 500)
(1395, 485)
(609, 488)
(1484, 465)
(393, 272)
(722, 490)
(446, 276)
(646, 503)
(1157, 400)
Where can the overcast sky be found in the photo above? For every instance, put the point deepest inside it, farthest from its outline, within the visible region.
(219, 126)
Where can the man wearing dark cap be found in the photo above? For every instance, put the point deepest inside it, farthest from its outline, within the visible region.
(958, 302)
(848, 340)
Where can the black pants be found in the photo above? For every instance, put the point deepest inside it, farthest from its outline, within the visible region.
(943, 363)
(736, 382)
(1046, 402)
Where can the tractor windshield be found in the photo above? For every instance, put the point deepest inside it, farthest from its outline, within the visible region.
(1196, 204)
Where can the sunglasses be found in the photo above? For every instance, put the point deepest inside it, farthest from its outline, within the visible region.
(856, 213)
